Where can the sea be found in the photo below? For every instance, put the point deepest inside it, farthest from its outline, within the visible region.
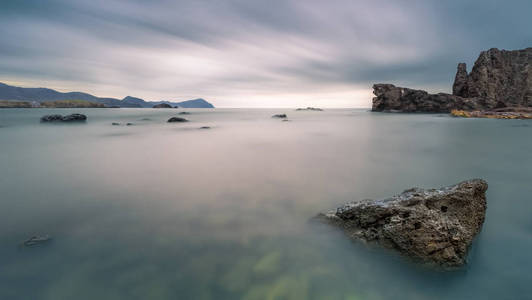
(157, 210)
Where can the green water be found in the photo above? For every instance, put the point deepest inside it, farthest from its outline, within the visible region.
(168, 211)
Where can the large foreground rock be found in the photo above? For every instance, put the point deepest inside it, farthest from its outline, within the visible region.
(435, 226)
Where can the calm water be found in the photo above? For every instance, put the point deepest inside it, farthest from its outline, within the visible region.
(168, 211)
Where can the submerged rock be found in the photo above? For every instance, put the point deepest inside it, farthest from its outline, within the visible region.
(279, 116)
(67, 118)
(36, 240)
(436, 226)
(177, 119)
(205, 127)
(129, 124)
(115, 124)
(184, 113)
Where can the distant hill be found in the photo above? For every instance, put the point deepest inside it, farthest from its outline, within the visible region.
(8, 92)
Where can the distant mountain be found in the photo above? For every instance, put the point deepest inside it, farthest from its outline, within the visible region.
(8, 92)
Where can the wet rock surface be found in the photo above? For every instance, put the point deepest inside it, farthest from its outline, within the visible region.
(67, 118)
(435, 226)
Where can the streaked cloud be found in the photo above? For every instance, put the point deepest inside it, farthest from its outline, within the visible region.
(250, 53)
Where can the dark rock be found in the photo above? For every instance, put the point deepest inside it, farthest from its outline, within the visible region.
(436, 226)
(52, 118)
(116, 124)
(67, 118)
(74, 117)
(129, 124)
(205, 127)
(460, 81)
(162, 105)
(499, 78)
(184, 113)
(177, 119)
(279, 116)
(310, 108)
(390, 98)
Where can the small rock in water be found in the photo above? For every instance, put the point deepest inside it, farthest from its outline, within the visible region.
(279, 116)
(205, 127)
(36, 240)
(129, 124)
(116, 124)
(177, 119)
(184, 113)
(310, 108)
(436, 226)
(67, 118)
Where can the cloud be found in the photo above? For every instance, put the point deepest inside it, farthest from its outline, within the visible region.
(250, 53)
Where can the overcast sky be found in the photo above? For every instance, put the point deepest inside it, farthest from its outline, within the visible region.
(245, 53)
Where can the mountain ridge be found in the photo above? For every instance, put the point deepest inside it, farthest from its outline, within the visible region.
(40, 94)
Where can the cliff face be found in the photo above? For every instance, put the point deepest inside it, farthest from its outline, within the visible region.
(498, 79)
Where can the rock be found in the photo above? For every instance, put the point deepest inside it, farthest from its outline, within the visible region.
(129, 124)
(115, 124)
(162, 105)
(52, 118)
(436, 226)
(205, 127)
(36, 240)
(460, 81)
(499, 78)
(491, 114)
(67, 118)
(390, 98)
(184, 113)
(310, 108)
(279, 116)
(177, 119)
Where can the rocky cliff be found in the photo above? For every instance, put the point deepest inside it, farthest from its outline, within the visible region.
(499, 79)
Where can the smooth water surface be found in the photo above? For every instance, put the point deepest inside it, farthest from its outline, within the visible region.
(169, 211)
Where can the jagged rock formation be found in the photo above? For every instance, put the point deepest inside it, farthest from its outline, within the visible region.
(398, 99)
(499, 79)
(435, 226)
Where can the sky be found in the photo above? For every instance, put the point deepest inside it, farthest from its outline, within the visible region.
(246, 53)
